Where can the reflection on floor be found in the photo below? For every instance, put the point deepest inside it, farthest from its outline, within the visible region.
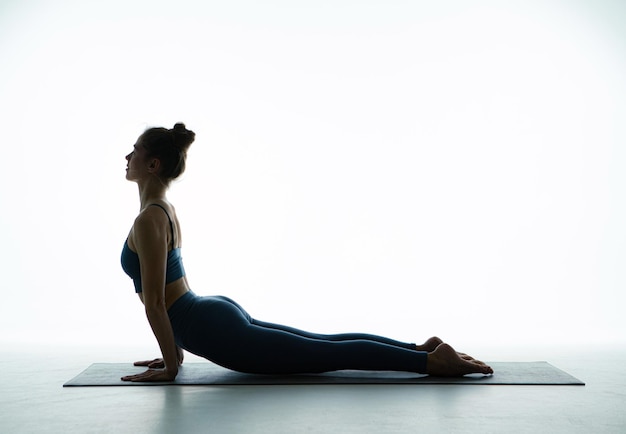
(33, 400)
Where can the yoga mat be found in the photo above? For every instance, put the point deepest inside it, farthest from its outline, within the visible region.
(520, 373)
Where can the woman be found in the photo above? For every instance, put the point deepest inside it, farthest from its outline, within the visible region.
(217, 328)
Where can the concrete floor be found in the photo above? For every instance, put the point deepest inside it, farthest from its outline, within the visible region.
(33, 400)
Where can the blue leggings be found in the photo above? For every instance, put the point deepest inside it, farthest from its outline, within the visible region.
(220, 330)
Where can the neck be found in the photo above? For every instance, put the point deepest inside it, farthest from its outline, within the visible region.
(151, 191)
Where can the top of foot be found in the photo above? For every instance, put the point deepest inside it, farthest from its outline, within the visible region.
(445, 362)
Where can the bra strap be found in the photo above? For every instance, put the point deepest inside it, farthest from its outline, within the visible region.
(171, 224)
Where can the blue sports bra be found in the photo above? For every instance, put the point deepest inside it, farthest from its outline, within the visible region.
(130, 261)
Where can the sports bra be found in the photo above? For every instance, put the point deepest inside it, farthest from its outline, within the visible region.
(130, 260)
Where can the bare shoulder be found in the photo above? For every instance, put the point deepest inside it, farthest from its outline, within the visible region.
(151, 222)
(152, 225)
(150, 216)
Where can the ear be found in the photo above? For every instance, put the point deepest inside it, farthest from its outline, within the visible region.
(153, 165)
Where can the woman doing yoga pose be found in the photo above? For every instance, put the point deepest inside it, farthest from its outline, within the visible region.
(216, 327)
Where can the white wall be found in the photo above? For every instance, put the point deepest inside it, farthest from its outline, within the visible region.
(399, 167)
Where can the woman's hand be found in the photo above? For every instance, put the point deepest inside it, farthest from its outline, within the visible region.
(152, 375)
(152, 364)
(158, 363)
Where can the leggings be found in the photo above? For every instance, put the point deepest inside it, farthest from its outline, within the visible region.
(218, 329)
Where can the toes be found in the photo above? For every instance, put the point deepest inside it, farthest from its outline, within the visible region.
(482, 367)
(487, 370)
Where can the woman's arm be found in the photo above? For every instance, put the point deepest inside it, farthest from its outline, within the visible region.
(150, 240)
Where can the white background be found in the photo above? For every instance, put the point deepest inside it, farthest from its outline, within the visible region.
(406, 168)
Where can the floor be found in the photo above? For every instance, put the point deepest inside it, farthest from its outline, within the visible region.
(32, 400)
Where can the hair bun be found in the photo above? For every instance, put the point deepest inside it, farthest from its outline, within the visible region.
(183, 138)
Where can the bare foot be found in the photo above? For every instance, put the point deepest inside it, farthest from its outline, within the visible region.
(429, 345)
(445, 362)
(432, 343)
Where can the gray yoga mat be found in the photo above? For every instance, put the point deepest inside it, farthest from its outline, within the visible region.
(520, 373)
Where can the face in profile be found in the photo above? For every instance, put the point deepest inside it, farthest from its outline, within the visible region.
(136, 166)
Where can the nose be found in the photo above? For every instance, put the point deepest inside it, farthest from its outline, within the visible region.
(128, 156)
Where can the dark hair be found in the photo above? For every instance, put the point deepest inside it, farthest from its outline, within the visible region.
(169, 147)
